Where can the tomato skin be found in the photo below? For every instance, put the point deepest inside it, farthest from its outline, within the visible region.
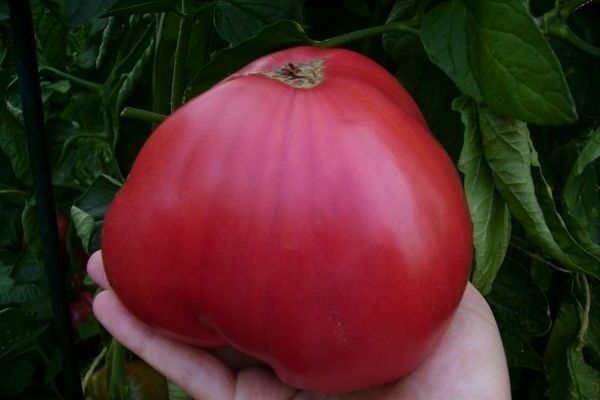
(321, 230)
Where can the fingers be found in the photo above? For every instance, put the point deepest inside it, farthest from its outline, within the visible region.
(95, 269)
(194, 370)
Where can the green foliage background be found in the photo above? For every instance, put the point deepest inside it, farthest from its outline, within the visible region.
(510, 88)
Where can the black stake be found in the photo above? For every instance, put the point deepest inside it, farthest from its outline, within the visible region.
(33, 114)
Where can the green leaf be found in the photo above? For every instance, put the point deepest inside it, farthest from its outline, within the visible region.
(21, 293)
(495, 53)
(522, 312)
(489, 211)
(87, 212)
(97, 198)
(18, 288)
(517, 346)
(272, 37)
(5, 279)
(581, 195)
(573, 351)
(15, 376)
(132, 78)
(28, 268)
(53, 367)
(403, 46)
(31, 229)
(17, 331)
(518, 299)
(83, 158)
(50, 33)
(84, 225)
(238, 20)
(422, 78)
(513, 160)
(129, 7)
(79, 12)
(14, 144)
(88, 328)
(177, 393)
(10, 225)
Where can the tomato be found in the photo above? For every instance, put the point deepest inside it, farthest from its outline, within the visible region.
(302, 212)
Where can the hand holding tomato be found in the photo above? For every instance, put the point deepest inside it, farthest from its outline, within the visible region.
(468, 362)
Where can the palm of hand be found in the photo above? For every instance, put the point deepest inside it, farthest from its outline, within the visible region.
(468, 362)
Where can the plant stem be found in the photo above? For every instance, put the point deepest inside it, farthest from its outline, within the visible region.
(117, 386)
(363, 33)
(142, 115)
(585, 319)
(92, 368)
(374, 21)
(160, 89)
(567, 8)
(554, 22)
(79, 81)
(538, 258)
(581, 44)
(185, 27)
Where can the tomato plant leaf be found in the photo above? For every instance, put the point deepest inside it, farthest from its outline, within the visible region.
(133, 76)
(82, 160)
(573, 351)
(444, 26)
(514, 164)
(96, 199)
(79, 12)
(31, 229)
(495, 53)
(88, 210)
(519, 300)
(238, 20)
(13, 143)
(28, 268)
(22, 293)
(177, 393)
(84, 225)
(581, 194)
(522, 312)
(583, 75)
(15, 376)
(519, 351)
(129, 7)
(272, 37)
(421, 78)
(51, 33)
(489, 211)
(18, 331)
(10, 224)
(402, 46)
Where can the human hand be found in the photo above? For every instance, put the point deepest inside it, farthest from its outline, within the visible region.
(467, 363)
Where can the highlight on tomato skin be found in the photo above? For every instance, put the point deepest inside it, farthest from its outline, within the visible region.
(301, 212)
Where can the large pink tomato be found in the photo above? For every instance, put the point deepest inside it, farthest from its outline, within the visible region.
(301, 212)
